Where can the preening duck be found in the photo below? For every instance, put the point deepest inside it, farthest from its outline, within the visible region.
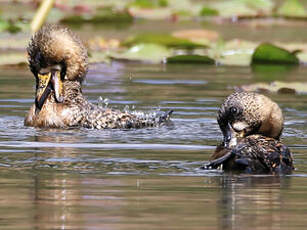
(59, 62)
(252, 125)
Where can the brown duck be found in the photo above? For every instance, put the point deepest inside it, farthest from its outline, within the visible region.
(251, 124)
(58, 60)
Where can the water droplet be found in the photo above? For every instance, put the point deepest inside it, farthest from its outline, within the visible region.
(126, 109)
(100, 102)
(106, 102)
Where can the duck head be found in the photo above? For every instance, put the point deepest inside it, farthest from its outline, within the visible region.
(55, 55)
(246, 113)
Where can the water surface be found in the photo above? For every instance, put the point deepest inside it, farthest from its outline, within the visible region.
(148, 178)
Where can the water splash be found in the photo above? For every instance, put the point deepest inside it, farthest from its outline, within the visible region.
(103, 102)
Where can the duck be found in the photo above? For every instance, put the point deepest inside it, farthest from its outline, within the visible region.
(251, 124)
(59, 62)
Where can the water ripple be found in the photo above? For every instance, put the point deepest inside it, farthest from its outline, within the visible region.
(25, 144)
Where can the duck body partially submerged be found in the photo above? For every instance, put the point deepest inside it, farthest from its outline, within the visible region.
(58, 60)
(255, 154)
(251, 124)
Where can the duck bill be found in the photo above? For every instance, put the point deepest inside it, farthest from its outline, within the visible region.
(233, 132)
(43, 89)
(46, 83)
(229, 135)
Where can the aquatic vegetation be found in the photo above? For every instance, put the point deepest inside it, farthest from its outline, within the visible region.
(10, 26)
(190, 59)
(270, 54)
(292, 8)
(101, 15)
(167, 40)
(145, 52)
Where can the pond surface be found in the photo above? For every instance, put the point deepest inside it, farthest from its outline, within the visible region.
(148, 178)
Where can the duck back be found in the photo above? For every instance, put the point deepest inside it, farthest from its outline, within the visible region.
(254, 154)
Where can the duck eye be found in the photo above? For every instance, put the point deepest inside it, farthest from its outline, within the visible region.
(234, 110)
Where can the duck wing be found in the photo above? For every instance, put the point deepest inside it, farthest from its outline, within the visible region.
(254, 154)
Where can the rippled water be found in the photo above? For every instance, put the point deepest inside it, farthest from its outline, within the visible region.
(148, 178)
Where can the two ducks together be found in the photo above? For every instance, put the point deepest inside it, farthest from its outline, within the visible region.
(251, 123)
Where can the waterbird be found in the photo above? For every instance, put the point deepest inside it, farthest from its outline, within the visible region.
(251, 124)
(59, 61)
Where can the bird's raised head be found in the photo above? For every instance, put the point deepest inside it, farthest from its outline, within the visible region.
(55, 55)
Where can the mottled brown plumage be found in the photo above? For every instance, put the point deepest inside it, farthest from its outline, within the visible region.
(251, 124)
(58, 60)
(245, 113)
(254, 154)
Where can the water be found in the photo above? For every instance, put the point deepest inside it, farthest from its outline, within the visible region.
(148, 178)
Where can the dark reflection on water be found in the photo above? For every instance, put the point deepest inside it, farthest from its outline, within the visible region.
(149, 178)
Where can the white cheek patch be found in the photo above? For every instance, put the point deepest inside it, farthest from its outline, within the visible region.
(239, 126)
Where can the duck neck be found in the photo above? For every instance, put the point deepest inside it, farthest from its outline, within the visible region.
(73, 92)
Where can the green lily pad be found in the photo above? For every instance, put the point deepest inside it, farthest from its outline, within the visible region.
(292, 8)
(103, 15)
(233, 8)
(98, 57)
(207, 11)
(9, 26)
(263, 5)
(149, 3)
(270, 54)
(239, 8)
(190, 59)
(163, 39)
(152, 53)
(235, 52)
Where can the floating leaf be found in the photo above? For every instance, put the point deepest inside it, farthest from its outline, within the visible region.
(144, 52)
(163, 3)
(190, 59)
(3, 24)
(270, 54)
(9, 26)
(207, 11)
(149, 3)
(151, 14)
(292, 8)
(143, 3)
(238, 8)
(263, 5)
(103, 15)
(163, 39)
(233, 8)
(234, 52)
(98, 57)
(188, 6)
(278, 87)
